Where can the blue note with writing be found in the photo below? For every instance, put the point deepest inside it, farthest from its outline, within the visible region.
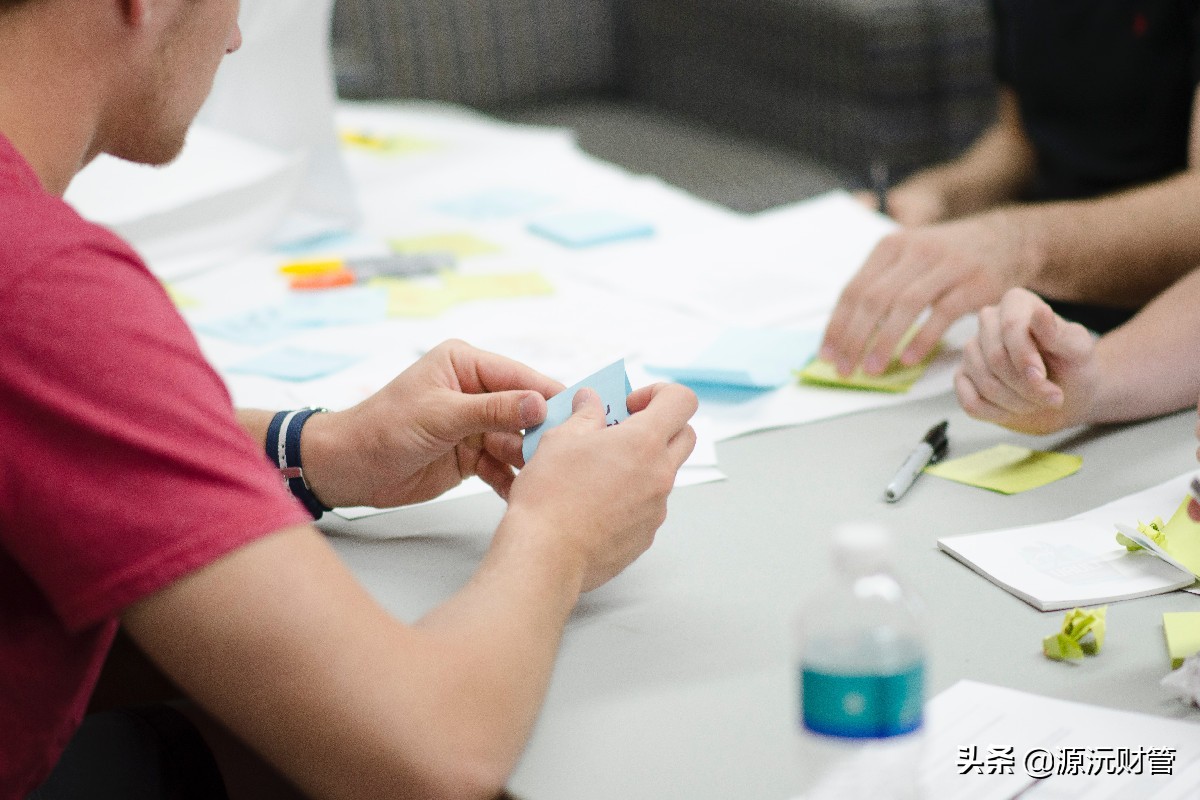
(611, 383)
(746, 358)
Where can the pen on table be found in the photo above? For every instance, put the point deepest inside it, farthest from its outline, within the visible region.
(932, 448)
(879, 184)
(334, 272)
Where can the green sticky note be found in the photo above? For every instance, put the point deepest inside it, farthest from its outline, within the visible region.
(496, 286)
(1082, 634)
(1182, 629)
(461, 245)
(1008, 469)
(897, 378)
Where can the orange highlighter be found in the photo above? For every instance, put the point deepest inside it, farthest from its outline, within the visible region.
(330, 273)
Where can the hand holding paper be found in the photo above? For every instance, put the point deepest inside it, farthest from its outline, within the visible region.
(455, 413)
(603, 488)
(610, 383)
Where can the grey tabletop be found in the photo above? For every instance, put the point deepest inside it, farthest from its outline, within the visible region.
(676, 679)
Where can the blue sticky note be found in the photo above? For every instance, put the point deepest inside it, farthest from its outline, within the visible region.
(350, 305)
(295, 364)
(300, 312)
(611, 383)
(495, 204)
(254, 328)
(746, 358)
(587, 228)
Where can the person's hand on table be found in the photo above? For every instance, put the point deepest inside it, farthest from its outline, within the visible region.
(457, 412)
(952, 269)
(603, 490)
(1027, 368)
(910, 204)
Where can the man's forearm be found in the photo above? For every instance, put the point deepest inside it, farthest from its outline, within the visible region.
(1151, 365)
(1119, 250)
(995, 170)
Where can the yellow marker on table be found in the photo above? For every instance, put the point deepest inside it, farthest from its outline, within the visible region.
(1008, 469)
(390, 144)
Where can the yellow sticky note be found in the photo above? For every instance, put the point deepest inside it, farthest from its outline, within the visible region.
(180, 299)
(496, 286)
(415, 299)
(1008, 469)
(461, 245)
(1181, 538)
(1182, 629)
(897, 378)
(391, 144)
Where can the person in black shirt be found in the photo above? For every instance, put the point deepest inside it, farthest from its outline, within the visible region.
(1095, 136)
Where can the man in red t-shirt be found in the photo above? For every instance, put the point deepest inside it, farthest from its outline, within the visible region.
(133, 496)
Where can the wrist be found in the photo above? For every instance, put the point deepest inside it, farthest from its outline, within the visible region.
(283, 438)
(541, 545)
(1026, 242)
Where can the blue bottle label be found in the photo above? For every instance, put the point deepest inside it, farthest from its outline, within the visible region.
(862, 706)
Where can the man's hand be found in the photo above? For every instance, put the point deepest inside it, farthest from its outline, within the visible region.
(1028, 369)
(456, 413)
(952, 269)
(604, 490)
(911, 203)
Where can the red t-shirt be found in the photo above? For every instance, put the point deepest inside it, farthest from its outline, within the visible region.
(122, 465)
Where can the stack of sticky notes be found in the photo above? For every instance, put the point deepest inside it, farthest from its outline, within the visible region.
(896, 378)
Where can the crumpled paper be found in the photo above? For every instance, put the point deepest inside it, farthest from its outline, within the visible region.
(1082, 634)
(1184, 682)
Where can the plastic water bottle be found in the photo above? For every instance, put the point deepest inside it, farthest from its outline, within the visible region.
(861, 675)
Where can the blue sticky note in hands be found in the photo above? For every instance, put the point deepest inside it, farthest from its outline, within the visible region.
(295, 364)
(586, 228)
(611, 383)
(746, 358)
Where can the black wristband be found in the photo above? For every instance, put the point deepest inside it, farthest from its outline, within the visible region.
(283, 448)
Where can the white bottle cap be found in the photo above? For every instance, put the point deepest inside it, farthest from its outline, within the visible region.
(861, 547)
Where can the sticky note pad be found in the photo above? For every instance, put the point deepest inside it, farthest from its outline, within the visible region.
(587, 228)
(611, 383)
(1008, 469)
(462, 245)
(746, 358)
(295, 364)
(896, 378)
(1182, 629)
